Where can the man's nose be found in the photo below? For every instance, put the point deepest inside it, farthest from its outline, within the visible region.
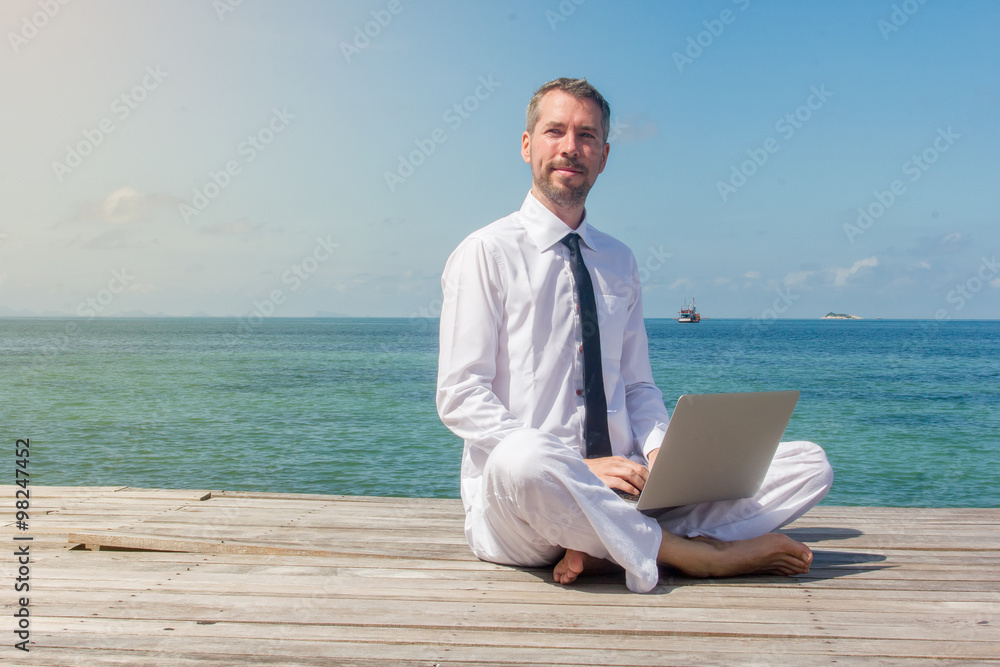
(570, 146)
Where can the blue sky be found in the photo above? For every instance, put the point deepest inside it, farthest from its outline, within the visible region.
(229, 158)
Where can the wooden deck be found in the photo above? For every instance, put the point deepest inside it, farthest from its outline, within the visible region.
(279, 579)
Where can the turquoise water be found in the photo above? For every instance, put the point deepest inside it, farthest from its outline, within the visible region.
(908, 411)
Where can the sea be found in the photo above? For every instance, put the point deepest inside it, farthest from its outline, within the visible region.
(908, 411)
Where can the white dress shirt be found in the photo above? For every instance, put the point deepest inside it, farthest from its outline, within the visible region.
(511, 341)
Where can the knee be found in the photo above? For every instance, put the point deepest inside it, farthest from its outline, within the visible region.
(813, 459)
(526, 457)
(520, 457)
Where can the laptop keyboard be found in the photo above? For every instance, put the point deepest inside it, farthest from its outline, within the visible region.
(630, 497)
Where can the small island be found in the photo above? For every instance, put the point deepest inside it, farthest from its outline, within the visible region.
(840, 316)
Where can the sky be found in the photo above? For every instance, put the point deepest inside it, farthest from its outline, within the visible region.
(257, 158)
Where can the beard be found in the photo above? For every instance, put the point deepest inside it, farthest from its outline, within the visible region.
(559, 193)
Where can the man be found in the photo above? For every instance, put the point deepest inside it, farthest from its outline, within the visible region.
(521, 361)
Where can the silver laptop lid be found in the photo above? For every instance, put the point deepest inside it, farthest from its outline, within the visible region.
(717, 447)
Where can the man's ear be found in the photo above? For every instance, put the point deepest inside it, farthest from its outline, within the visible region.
(526, 147)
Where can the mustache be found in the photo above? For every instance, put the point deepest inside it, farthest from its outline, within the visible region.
(567, 163)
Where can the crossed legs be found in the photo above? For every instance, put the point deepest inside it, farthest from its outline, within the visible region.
(539, 503)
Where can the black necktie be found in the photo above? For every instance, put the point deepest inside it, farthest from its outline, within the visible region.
(595, 429)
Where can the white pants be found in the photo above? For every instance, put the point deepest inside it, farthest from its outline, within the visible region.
(537, 498)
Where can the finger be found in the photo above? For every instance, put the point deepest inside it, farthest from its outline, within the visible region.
(638, 476)
(628, 468)
(640, 483)
(632, 475)
(622, 485)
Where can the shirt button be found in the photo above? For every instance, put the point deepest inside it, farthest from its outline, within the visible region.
(579, 392)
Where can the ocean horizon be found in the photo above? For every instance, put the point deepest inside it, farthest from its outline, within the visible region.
(907, 410)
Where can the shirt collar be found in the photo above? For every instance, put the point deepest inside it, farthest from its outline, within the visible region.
(545, 229)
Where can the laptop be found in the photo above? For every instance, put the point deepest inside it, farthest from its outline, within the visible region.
(717, 447)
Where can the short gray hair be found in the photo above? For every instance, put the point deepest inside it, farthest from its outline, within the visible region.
(578, 88)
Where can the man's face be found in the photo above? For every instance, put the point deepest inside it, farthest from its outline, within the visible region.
(565, 149)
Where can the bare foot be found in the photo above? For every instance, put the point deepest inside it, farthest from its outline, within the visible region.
(773, 553)
(569, 568)
(574, 562)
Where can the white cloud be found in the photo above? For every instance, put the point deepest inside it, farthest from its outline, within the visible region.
(125, 205)
(995, 283)
(722, 280)
(796, 278)
(682, 282)
(752, 275)
(841, 275)
(122, 205)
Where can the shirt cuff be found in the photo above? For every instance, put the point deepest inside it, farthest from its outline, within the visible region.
(653, 440)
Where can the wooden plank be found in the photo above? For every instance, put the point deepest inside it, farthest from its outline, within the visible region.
(493, 648)
(431, 589)
(63, 657)
(96, 493)
(594, 640)
(887, 557)
(449, 503)
(362, 577)
(300, 531)
(429, 585)
(58, 657)
(331, 611)
(116, 539)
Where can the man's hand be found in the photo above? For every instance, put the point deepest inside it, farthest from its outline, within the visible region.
(619, 473)
(651, 457)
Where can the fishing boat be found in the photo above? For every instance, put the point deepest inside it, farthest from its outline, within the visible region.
(689, 313)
